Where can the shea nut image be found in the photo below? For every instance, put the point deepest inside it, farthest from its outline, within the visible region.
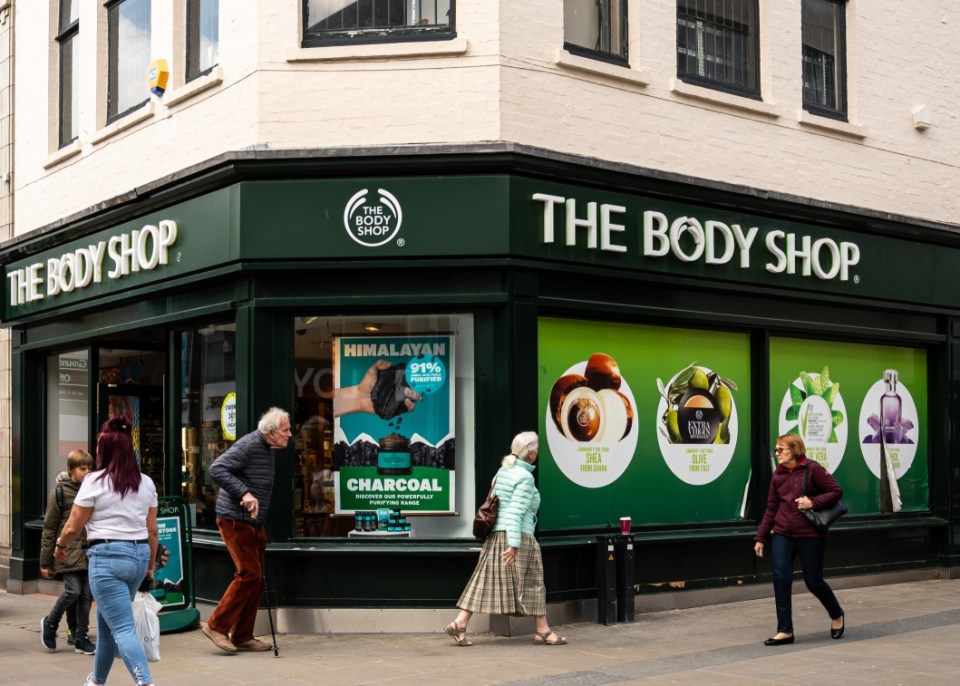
(603, 372)
(561, 388)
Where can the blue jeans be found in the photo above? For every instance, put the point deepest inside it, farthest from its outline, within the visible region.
(116, 570)
(784, 550)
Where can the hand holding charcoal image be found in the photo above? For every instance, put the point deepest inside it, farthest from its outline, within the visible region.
(382, 391)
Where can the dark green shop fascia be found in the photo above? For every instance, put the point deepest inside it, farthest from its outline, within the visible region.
(262, 238)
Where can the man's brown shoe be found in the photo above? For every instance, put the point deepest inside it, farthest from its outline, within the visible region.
(219, 640)
(253, 645)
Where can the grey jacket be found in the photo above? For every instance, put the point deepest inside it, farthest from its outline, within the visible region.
(247, 466)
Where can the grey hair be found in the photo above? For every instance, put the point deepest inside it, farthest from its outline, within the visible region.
(523, 443)
(270, 420)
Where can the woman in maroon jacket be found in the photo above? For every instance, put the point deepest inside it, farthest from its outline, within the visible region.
(793, 534)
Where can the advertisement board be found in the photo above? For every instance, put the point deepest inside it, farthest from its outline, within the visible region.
(394, 442)
(647, 422)
(845, 400)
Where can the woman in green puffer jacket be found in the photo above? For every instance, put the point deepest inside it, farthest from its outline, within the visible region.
(509, 575)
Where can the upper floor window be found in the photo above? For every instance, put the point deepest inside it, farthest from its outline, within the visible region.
(824, 61)
(596, 28)
(327, 22)
(718, 44)
(68, 30)
(128, 43)
(203, 36)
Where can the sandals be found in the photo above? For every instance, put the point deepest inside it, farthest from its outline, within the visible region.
(549, 638)
(458, 634)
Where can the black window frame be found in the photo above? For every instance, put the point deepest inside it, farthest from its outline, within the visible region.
(622, 58)
(356, 36)
(112, 61)
(751, 63)
(809, 54)
(193, 36)
(67, 36)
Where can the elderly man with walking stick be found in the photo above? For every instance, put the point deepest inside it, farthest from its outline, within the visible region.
(245, 476)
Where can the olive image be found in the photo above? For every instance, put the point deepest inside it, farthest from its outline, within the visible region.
(699, 403)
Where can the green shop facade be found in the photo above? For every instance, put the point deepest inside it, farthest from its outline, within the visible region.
(413, 312)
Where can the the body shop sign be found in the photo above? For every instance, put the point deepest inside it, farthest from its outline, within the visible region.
(704, 238)
(113, 258)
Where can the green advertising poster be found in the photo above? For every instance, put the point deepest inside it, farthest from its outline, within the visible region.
(844, 400)
(393, 424)
(169, 585)
(646, 422)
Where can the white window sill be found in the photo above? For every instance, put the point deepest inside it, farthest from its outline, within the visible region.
(139, 115)
(828, 124)
(377, 51)
(191, 88)
(688, 90)
(568, 60)
(72, 149)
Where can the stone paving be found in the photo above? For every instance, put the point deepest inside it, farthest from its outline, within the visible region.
(905, 633)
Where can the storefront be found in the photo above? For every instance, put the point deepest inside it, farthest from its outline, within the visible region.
(658, 334)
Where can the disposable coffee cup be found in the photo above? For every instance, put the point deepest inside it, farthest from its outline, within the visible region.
(625, 525)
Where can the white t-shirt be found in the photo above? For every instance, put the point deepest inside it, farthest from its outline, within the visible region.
(115, 517)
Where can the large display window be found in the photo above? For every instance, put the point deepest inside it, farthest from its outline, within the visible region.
(646, 422)
(208, 420)
(381, 422)
(862, 413)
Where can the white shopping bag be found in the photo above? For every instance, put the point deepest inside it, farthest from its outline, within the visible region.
(145, 609)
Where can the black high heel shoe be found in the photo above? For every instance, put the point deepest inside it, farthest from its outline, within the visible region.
(838, 633)
(781, 641)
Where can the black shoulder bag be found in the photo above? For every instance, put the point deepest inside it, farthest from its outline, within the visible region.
(823, 519)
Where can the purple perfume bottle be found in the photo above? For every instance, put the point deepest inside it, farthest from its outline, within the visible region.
(891, 408)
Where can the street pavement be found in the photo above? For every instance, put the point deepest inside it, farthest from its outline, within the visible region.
(904, 633)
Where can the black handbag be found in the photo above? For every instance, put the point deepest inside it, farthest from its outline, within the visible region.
(823, 519)
(486, 515)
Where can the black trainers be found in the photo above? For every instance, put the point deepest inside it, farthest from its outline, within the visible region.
(71, 637)
(48, 635)
(84, 645)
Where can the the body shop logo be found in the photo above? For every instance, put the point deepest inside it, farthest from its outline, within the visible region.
(372, 224)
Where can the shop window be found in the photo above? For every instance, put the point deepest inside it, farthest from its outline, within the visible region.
(328, 22)
(596, 28)
(128, 43)
(131, 385)
(68, 32)
(718, 44)
(208, 393)
(824, 58)
(203, 37)
(383, 426)
(68, 418)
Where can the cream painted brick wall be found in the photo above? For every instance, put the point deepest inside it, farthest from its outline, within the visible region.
(508, 86)
(896, 59)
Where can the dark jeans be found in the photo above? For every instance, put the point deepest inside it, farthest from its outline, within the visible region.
(236, 612)
(784, 550)
(76, 589)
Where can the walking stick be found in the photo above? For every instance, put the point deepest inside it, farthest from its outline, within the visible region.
(266, 593)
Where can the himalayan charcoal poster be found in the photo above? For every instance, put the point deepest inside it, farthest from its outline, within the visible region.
(393, 423)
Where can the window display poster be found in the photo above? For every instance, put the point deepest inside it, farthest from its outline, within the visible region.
(844, 400)
(646, 422)
(168, 579)
(394, 423)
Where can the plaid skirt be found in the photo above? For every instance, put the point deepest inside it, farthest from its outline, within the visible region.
(514, 590)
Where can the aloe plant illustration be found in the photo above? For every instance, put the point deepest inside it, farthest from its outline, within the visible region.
(822, 386)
